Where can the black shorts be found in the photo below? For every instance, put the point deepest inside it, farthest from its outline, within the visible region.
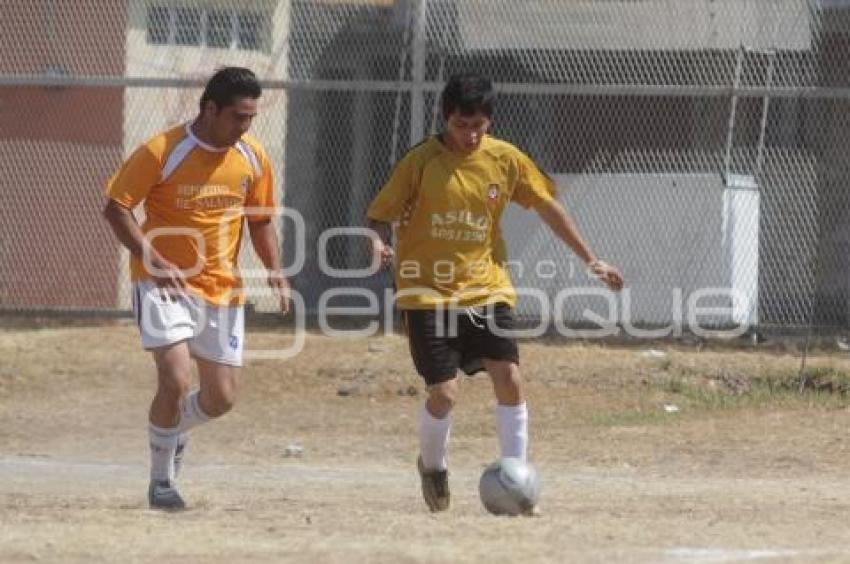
(462, 340)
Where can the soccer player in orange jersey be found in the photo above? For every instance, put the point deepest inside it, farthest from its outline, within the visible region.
(197, 181)
(448, 194)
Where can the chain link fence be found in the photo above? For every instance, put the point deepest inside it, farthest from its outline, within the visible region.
(700, 144)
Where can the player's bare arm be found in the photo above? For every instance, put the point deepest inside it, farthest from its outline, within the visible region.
(127, 229)
(557, 218)
(264, 240)
(381, 246)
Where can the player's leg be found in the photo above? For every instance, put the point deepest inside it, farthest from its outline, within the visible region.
(435, 423)
(174, 377)
(217, 348)
(500, 356)
(434, 430)
(511, 410)
(165, 325)
(437, 363)
(213, 398)
(218, 390)
(173, 364)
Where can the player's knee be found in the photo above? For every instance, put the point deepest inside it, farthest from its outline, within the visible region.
(446, 401)
(221, 402)
(219, 408)
(174, 386)
(442, 397)
(222, 406)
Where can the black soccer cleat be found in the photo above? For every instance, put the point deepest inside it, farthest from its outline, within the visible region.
(435, 487)
(163, 495)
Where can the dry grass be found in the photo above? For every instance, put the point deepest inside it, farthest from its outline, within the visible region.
(747, 462)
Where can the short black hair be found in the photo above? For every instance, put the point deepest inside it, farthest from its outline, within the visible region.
(468, 93)
(229, 83)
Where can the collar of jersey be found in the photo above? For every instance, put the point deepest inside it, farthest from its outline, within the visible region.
(454, 154)
(201, 144)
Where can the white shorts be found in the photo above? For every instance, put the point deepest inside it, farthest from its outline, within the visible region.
(214, 333)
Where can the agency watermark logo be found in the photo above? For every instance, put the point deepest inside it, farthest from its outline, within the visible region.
(562, 301)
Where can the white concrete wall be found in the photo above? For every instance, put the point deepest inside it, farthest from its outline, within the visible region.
(671, 235)
(647, 24)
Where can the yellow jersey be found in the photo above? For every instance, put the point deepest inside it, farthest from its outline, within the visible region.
(450, 251)
(195, 197)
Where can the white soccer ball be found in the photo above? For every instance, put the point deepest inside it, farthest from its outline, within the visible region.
(509, 487)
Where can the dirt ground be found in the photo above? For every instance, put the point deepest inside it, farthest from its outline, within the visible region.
(674, 455)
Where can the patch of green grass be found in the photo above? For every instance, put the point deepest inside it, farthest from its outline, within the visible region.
(632, 417)
(695, 392)
(818, 380)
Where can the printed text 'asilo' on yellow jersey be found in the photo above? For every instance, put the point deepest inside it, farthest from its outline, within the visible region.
(450, 250)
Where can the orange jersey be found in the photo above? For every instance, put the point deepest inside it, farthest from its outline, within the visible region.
(450, 249)
(194, 198)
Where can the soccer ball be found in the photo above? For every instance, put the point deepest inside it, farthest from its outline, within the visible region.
(509, 487)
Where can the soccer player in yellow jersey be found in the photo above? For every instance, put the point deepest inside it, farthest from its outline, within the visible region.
(199, 182)
(447, 196)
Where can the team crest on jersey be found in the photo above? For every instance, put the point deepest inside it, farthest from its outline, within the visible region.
(493, 192)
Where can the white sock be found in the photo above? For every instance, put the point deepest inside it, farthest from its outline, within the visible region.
(512, 421)
(191, 414)
(433, 440)
(163, 444)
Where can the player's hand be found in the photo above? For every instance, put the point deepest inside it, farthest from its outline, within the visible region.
(168, 277)
(382, 252)
(280, 286)
(607, 274)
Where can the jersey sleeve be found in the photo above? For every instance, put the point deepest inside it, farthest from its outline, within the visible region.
(533, 187)
(134, 180)
(262, 191)
(395, 195)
